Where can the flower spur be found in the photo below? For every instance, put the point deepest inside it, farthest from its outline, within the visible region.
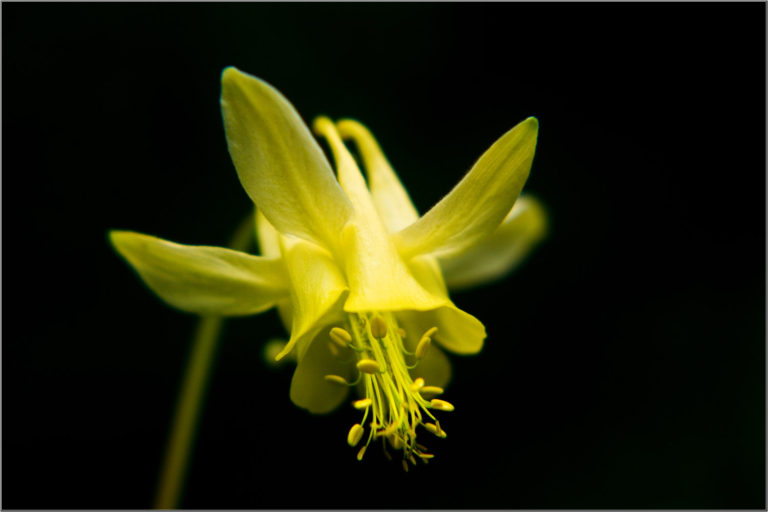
(359, 278)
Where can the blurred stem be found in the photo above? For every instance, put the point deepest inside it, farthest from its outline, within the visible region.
(192, 394)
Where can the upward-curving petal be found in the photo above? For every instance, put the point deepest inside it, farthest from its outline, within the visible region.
(479, 202)
(389, 196)
(280, 165)
(379, 279)
(201, 279)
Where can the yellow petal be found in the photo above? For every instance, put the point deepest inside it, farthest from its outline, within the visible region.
(480, 201)
(204, 280)
(501, 251)
(280, 165)
(457, 331)
(427, 272)
(379, 280)
(309, 389)
(389, 196)
(317, 291)
(350, 178)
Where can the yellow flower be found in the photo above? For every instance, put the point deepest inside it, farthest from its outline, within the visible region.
(358, 276)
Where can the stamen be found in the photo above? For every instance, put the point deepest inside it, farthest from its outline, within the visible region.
(422, 347)
(361, 452)
(441, 405)
(363, 403)
(336, 380)
(431, 390)
(405, 466)
(341, 337)
(355, 434)
(417, 384)
(368, 366)
(334, 349)
(393, 403)
(435, 429)
(378, 327)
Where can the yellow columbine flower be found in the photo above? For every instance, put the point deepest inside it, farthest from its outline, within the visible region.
(357, 275)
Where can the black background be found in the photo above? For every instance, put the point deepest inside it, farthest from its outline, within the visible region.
(625, 363)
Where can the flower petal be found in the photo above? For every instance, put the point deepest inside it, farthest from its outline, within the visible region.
(389, 196)
(501, 251)
(350, 177)
(201, 279)
(479, 202)
(280, 165)
(379, 279)
(309, 389)
(317, 291)
(457, 331)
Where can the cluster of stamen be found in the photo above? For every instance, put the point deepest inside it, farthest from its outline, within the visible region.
(393, 403)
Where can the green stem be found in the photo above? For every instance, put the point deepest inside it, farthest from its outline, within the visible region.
(192, 395)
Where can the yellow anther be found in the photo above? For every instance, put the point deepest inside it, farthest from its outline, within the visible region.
(431, 390)
(340, 337)
(378, 327)
(355, 434)
(336, 380)
(387, 455)
(422, 347)
(441, 405)
(426, 455)
(412, 459)
(405, 465)
(401, 332)
(361, 452)
(417, 384)
(435, 429)
(368, 366)
(363, 403)
(334, 349)
(396, 442)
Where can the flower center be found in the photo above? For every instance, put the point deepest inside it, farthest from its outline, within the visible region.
(393, 403)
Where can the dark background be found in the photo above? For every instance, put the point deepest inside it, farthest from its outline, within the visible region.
(625, 363)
